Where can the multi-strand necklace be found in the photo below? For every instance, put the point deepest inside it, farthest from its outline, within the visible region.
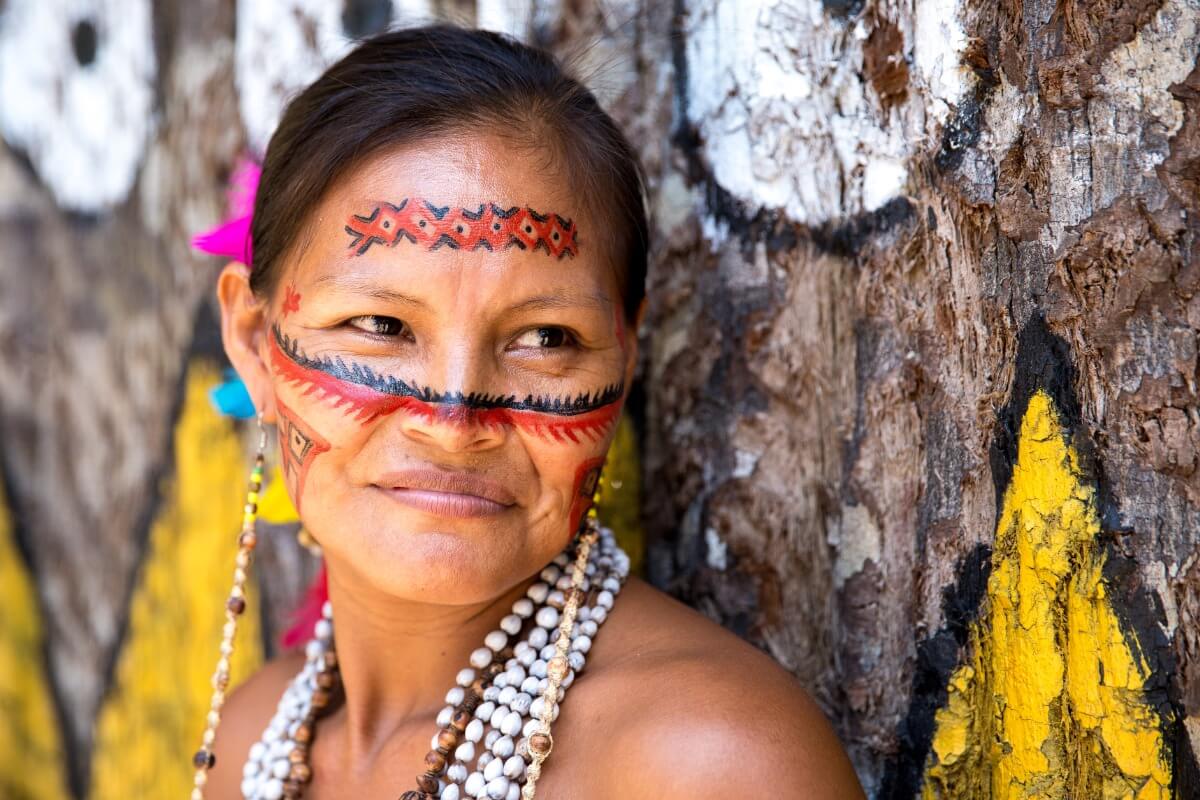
(494, 732)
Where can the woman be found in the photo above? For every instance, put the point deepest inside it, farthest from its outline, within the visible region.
(449, 251)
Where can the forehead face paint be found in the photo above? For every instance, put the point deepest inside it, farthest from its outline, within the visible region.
(490, 227)
(359, 391)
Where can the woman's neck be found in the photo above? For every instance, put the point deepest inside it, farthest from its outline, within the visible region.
(397, 658)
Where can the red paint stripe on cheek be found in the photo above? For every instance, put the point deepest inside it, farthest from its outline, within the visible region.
(364, 403)
(593, 424)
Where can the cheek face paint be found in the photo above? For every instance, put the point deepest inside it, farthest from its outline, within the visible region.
(489, 227)
(620, 321)
(363, 402)
(299, 446)
(291, 300)
(587, 475)
(366, 396)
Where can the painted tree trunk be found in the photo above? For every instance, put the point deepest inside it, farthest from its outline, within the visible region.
(917, 413)
(920, 373)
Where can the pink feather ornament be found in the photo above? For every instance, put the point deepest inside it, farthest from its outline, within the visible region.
(231, 239)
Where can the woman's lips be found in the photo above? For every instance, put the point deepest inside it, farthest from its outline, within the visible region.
(447, 494)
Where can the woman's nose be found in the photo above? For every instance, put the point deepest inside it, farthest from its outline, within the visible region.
(452, 425)
(456, 411)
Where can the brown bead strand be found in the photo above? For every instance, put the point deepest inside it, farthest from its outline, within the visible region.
(540, 741)
(438, 759)
(329, 691)
(235, 605)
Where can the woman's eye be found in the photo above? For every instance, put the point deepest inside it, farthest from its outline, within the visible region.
(378, 325)
(549, 337)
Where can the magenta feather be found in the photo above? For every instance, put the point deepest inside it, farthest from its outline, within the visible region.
(231, 239)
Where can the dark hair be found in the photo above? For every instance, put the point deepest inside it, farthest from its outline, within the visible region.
(401, 86)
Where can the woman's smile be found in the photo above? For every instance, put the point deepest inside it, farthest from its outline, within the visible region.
(447, 494)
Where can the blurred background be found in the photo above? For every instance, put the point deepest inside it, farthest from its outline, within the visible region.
(917, 410)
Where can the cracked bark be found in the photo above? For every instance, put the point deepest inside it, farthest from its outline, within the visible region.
(819, 396)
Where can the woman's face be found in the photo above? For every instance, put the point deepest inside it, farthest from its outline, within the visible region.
(446, 357)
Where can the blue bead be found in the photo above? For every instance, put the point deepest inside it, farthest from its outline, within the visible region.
(231, 397)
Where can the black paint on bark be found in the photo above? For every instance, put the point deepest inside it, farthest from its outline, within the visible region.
(937, 658)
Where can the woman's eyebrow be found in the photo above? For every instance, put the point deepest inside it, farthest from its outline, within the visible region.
(367, 288)
(544, 302)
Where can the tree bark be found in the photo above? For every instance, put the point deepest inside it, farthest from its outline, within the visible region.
(921, 349)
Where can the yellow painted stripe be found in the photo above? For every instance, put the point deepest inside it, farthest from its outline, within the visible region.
(31, 755)
(1052, 703)
(151, 722)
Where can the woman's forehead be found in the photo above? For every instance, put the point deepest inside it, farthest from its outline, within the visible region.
(476, 226)
(458, 171)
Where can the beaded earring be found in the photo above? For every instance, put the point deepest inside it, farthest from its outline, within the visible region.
(235, 605)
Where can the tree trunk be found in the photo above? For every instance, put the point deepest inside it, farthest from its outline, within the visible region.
(918, 410)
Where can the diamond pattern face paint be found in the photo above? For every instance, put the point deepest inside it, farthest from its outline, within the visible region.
(489, 227)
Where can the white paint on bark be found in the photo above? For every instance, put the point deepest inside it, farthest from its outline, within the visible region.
(856, 539)
(1003, 119)
(786, 118)
(284, 45)
(744, 463)
(938, 42)
(83, 126)
(716, 551)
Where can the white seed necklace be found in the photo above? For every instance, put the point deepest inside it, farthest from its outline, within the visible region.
(503, 704)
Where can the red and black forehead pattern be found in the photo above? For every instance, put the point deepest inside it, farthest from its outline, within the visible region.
(489, 227)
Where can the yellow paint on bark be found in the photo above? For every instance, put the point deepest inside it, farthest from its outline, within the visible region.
(1052, 701)
(151, 721)
(31, 755)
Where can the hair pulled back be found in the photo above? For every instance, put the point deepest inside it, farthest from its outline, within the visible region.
(399, 87)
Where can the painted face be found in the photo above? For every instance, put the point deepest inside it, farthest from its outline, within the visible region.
(448, 357)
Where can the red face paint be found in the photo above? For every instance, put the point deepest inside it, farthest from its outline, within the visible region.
(299, 445)
(291, 300)
(587, 475)
(620, 321)
(489, 227)
(359, 392)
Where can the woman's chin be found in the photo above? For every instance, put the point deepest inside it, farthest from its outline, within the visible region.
(439, 563)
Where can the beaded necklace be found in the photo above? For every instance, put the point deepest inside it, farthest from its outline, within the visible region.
(506, 699)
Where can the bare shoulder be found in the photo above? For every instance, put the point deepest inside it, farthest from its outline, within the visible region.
(247, 711)
(694, 711)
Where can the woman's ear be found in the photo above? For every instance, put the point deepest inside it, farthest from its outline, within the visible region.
(244, 331)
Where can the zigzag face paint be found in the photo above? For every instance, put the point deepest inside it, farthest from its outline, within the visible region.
(489, 227)
(358, 391)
